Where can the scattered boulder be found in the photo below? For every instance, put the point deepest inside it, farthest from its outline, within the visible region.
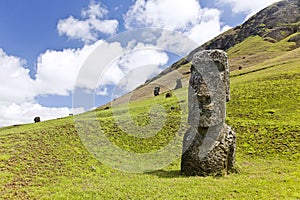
(209, 145)
(37, 119)
(156, 90)
(93, 168)
(296, 39)
(168, 95)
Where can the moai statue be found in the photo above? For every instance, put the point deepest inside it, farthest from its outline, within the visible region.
(178, 84)
(156, 90)
(209, 145)
(37, 119)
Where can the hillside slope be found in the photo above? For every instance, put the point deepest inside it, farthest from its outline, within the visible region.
(270, 33)
(48, 160)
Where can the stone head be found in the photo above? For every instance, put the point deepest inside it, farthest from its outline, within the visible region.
(208, 88)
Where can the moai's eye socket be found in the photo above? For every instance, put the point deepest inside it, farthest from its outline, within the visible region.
(220, 66)
(205, 100)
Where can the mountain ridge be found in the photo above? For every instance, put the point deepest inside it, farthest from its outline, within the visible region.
(273, 23)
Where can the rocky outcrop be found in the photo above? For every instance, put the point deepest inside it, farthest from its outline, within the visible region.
(209, 145)
(277, 21)
(296, 39)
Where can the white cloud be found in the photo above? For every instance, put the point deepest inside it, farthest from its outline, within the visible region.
(25, 113)
(141, 64)
(57, 70)
(18, 90)
(247, 7)
(88, 28)
(76, 29)
(102, 91)
(94, 66)
(16, 85)
(208, 28)
(169, 14)
(95, 10)
(117, 64)
(186, 17)
(98, 63)
(176, 42)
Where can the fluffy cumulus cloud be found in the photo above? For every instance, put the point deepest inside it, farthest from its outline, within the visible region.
(186, 17)
(18, 90)
(16, 84)
(87, 28)
(25, 113)
(138, 65)
(110, 64)
(247, 7)
(57, 70)
(169, 14)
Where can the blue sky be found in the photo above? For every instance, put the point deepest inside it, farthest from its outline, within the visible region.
(43, 45)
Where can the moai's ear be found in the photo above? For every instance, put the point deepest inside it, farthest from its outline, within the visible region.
(223, 68)
(227, 81)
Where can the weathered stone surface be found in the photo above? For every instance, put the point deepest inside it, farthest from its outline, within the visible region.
(209, 145)
(296, 39)
(208, 151)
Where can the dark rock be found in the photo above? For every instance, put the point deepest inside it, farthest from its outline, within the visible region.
(296, 39)
(168, 95)
(37, 119)
(209, 145)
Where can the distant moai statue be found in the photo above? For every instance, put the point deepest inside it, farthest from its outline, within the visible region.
(156, 90)
(37, 119)
(178, 84)
(209, 145)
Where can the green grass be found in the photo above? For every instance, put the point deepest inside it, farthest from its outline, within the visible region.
(48, 160)
(256, 50)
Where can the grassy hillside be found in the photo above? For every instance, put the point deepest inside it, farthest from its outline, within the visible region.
(48, 160)
(255, 50)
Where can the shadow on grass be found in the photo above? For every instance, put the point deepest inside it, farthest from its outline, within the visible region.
(167, 174)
